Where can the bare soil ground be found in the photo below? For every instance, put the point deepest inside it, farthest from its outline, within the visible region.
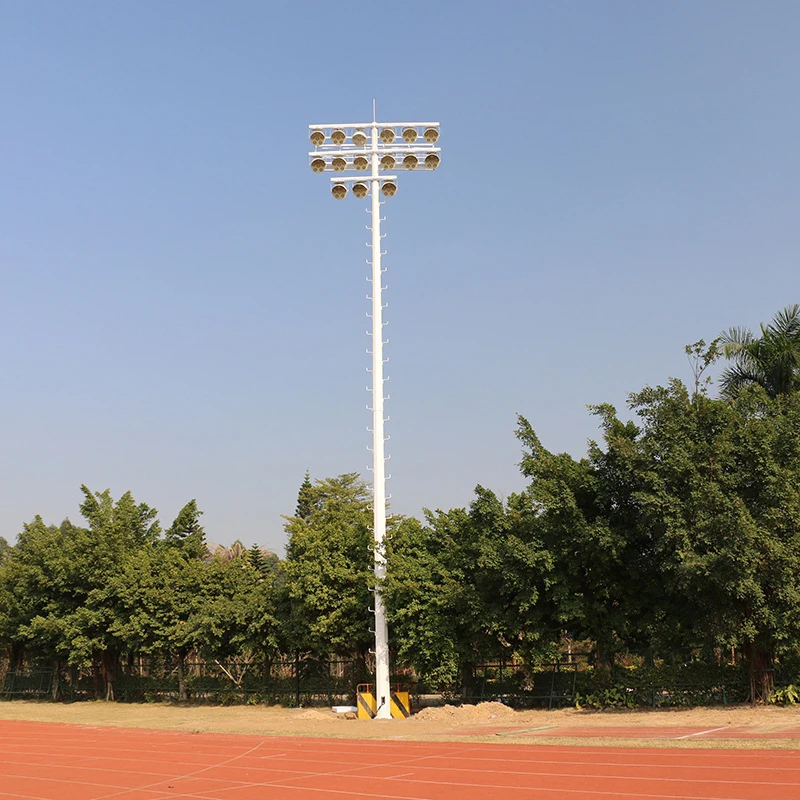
(484, 722)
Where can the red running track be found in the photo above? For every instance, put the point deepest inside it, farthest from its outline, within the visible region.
(71, 762)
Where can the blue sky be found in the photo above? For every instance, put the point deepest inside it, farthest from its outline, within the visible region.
(182, 304)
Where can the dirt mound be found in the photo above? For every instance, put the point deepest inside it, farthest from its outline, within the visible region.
(458, 715)
(315, 714)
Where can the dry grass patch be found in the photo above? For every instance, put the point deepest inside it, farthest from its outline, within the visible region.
(480, 722)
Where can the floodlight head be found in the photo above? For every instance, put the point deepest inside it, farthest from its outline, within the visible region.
(389, 188)
(338, 137)
(431, 135)
(339, 191)
(339, 164)
(387, 135)
(318, 165)
(359, 138)
(410, 162)
(360, 163)
(360, 190)
(410, 135)
(388, 162)
(432, 161)
(317, 138)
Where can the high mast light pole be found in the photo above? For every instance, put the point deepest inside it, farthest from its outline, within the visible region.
(375, 149)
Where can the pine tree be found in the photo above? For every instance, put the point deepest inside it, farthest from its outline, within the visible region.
(256, 557)
(305, 499)
(186, 533)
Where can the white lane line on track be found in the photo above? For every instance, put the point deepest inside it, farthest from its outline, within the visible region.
(702, 733)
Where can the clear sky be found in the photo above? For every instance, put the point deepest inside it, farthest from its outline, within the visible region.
(182, 303)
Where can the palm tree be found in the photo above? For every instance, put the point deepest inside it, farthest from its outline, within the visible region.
(771, 360)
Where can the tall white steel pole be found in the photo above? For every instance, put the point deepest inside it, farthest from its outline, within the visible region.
(382, 688)
(342, 148)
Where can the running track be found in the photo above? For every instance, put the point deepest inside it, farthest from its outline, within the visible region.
(71, 762)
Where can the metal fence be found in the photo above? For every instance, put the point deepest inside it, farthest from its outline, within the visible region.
(292, 682)
(304, 681)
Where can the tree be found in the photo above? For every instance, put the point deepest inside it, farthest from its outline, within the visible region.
(5, 549)
(263, 560)
(38, 584)
(121, 525)
(603, 575)
(305, 498)
(153, 597)
(465, 588)
(170, 604)
(186, 533)
(721, 495)
(328, 570)
(771, 360)
(57, 580)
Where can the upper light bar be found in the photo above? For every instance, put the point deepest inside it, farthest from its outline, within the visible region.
(366, 125)
(356, 134)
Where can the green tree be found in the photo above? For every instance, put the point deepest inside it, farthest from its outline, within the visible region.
(186, 533)
(305, 498)
(5, 549)
(57, 579)
(169, 604)
(603, 575)
(721, 495)
(153, 597)
(771, 360)
(263, 560)
(234, 617)
(328, 570)
(466, 588)
(37, 587)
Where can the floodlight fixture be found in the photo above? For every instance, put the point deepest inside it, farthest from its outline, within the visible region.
(375, 149)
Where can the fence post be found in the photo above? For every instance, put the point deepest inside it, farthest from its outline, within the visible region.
(297, 678)
(553, 685)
